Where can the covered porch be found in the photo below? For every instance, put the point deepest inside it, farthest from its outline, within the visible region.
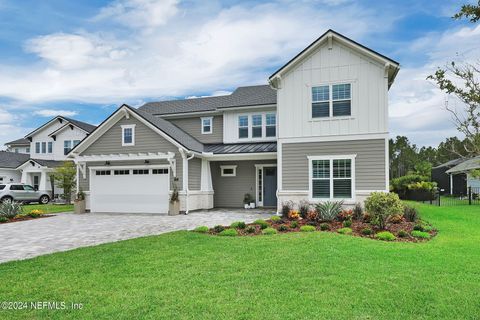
(38, 174)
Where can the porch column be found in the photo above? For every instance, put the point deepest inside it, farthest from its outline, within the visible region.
(43, 181)
(206, 177)
(451, 184)
(23, 179)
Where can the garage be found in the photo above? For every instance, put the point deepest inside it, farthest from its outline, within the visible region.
(129, 189)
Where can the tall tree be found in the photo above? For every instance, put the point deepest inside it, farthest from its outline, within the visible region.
(463, 81)
(403, 156)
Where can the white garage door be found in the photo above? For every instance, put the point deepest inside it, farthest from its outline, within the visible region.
(129, 190)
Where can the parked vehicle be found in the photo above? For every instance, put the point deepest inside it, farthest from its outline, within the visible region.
(22, 193)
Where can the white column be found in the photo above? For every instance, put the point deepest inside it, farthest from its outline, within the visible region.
(206, 176)
(43, 181)
(23, 179)
(451, 184)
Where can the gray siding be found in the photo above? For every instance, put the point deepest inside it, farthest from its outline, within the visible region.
(369, 163)
(229, 191)
(194, 173)
(146, 140)
(193, 127)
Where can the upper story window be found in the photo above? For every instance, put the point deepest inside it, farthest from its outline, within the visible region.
(331, 100)
(50, 147)
(75, 142)
(27, 149)
(44, 147)
(37, 147)
(207, 127)
(128, 135)
(270, 125)
(256, 126)
(67, 146)
(242, 127)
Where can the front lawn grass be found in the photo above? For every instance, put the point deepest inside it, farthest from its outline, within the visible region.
(48, 208)
(307, 275)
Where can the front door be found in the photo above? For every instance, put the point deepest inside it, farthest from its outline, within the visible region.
(270, 186)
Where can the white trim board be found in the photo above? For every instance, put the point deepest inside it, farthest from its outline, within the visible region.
(345, 137)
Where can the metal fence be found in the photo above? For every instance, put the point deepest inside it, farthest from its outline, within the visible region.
(472, 197)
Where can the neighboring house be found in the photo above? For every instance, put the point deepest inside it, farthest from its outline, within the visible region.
(318, 131)
(18, 146)
(465, 168)
(447, 183)
(47, 149)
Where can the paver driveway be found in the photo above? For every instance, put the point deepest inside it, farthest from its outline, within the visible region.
(65, 231)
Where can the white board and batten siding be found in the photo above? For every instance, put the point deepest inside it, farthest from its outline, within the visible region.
(230, 124)
(369, 90)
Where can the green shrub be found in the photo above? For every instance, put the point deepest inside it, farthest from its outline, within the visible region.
(218, 228)
(345, 231)
(294, 224)
(262, 223)
(307, 228)
(410, 213)
(367, 231)
(328, 210)
(402, 234)
(251, 229)
(303, 208)
(418, 227)
(324, 227)
(275, 218)
(10, 210)
(3, 219)
(400, 185)
(228, 233)
(282, 228)
(357, 211)
(201, 229)
(420, 234)
(347, 223)
(312, 223)
(269, 231)
(427, 228)
(385, 236)
(238, 225)
(382, 205)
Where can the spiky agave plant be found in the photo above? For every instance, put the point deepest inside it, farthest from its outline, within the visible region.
(328, 210)
(10, 209)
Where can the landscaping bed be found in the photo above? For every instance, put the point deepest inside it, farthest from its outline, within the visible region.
(15, 212)
(388, 219)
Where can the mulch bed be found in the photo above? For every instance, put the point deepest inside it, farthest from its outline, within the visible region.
(357, 227)
(26, 218)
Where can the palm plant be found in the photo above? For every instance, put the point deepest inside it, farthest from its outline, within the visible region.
(328, 210)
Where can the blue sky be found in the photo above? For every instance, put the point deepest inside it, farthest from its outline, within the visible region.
(84, 58)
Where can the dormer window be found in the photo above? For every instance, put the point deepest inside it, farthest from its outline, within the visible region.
(128, 135)
(207, 127)
(331, 100)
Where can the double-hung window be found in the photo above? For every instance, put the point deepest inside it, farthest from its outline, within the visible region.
(331, 177)
(206, 125)
(242, 127)
(256, 126)
(50, 147)
(67, 146)
(271, 125)
(332, 100)
(37, 147)
(128, 135)
(44, 147)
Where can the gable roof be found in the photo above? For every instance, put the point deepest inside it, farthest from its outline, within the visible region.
(467, 165)
(166, 127)
(82, 125)
(12, 160)
(333, 34)
(19, 142)
(450, 163)
(241, 97)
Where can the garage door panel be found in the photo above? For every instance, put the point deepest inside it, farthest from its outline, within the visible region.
(130, 193)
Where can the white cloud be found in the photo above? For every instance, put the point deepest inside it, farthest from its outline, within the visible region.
(5, 116)
(139, 13)
(53, 113)
(417, 106)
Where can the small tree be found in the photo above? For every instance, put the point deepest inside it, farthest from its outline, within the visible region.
(65, 178)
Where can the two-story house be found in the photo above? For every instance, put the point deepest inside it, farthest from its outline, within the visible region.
(32, 159)
(318, 131)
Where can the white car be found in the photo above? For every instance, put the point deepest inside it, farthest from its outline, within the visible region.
(22, 193)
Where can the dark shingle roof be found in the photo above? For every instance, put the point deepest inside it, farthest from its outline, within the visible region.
(171, 130)
(230, 148)
(241, 97)
(465, 166)
(19, 142)
(82, 125)
(451, 163)
(12, 159)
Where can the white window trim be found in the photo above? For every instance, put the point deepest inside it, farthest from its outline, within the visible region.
(330, 103)
(128, 126)
(211, 125)
(330, 158)
(234, 174)
(250, 115)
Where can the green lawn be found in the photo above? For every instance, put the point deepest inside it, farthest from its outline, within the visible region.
(48, 208)
(289, 276)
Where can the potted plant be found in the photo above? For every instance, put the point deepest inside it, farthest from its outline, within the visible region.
(174, 206)
(247, 201)
(79, 204)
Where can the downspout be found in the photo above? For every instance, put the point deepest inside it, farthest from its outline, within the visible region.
(185, 177)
